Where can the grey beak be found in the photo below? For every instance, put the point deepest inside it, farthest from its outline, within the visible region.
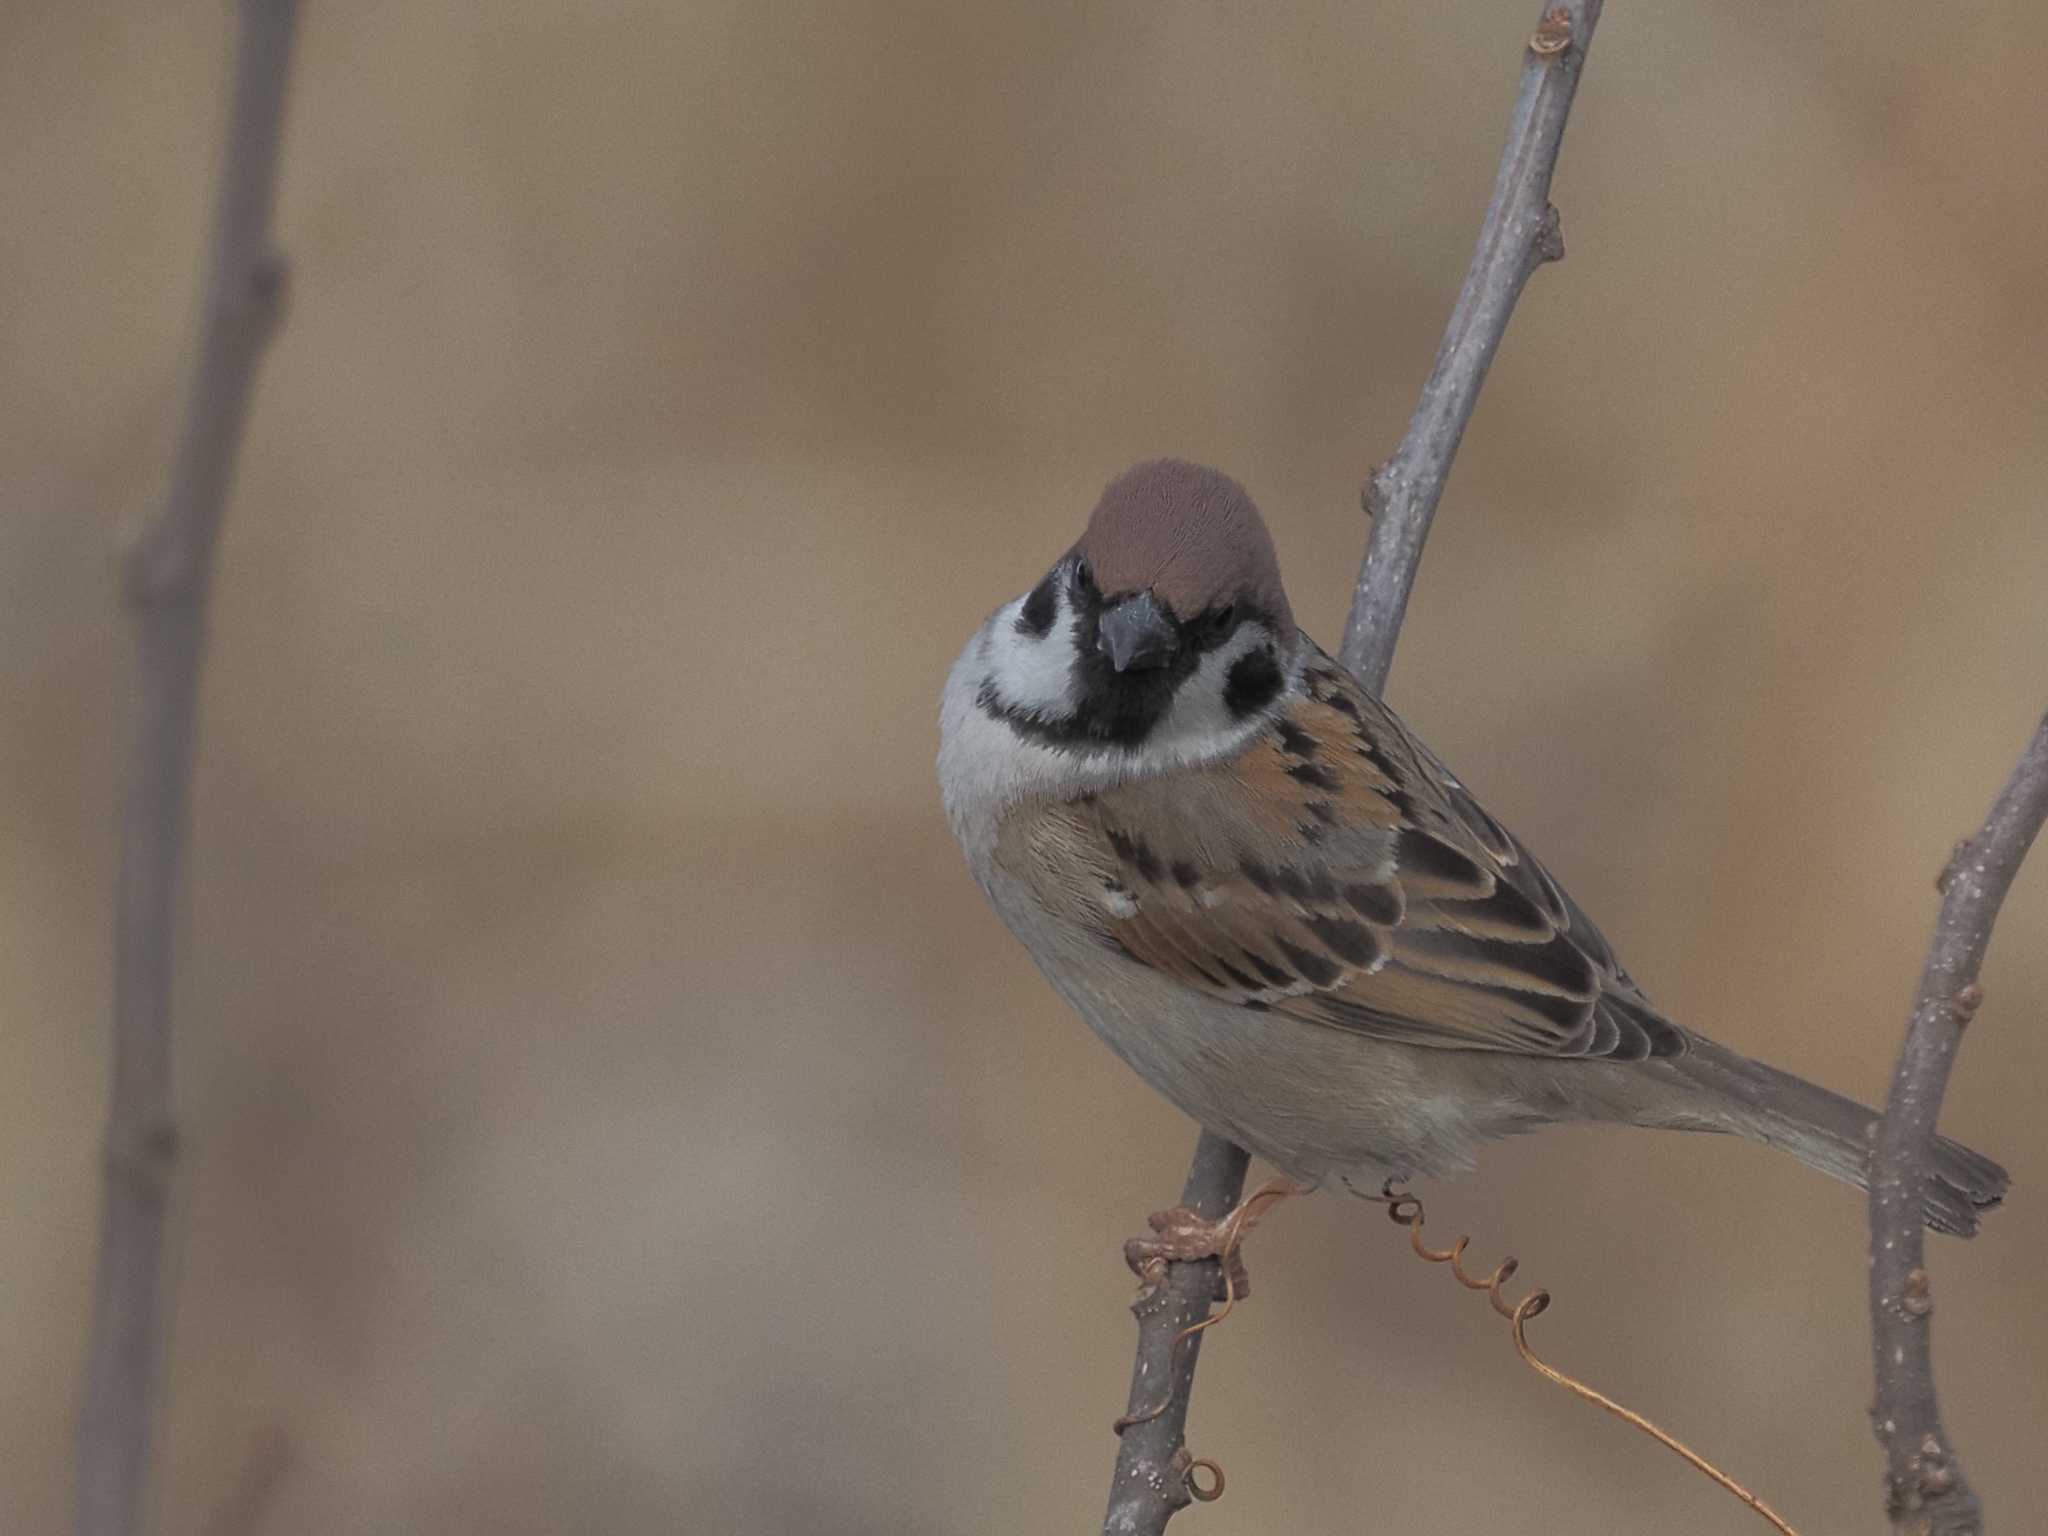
(1137, 634)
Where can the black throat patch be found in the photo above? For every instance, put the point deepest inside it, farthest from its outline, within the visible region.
(1115, 709)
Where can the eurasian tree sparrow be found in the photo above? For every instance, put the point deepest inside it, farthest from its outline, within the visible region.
(1272, 900)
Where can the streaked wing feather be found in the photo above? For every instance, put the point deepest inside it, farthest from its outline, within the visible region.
(1344, 876)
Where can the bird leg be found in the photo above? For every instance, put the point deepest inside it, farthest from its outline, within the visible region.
(1182, 1233)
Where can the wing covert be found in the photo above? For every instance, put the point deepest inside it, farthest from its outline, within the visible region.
(1335, 871)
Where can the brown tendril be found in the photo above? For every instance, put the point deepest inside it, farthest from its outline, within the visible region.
(1406, 1210)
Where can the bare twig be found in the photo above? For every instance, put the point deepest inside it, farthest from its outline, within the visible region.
(165, 575)
(1925, 1491)
(1519, 234)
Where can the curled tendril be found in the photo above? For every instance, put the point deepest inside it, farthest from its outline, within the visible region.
(1209, 1492)
(1254, 1206)
(1235, 1226)
(1405, 1210)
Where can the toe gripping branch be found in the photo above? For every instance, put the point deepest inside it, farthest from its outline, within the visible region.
(1184, 1235)
(1406, 1210)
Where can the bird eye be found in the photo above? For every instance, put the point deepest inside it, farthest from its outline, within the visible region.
(1083, 577)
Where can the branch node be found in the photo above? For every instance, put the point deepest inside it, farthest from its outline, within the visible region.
(1956, 855)
(1934, 1470)
(142, 1157)
(1553, 34)
(1549, 244)
(265, 286)
(153, 563)
(1378, 491)
(1964, 1005)
(1916, 1297)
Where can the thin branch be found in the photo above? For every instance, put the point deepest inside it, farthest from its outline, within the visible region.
(1520, 233)
(1925, 1490)
(165, 576)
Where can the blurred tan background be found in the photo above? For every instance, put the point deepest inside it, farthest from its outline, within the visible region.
(611, 1106)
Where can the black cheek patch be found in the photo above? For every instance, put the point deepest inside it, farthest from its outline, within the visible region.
(1039, 610)
(1254, 682)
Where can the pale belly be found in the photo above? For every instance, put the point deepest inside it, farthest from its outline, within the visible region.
(1321, 1104)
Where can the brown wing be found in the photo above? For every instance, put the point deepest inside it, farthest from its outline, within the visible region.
(1337, 872)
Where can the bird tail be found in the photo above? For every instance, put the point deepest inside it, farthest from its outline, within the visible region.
(1834, 1134)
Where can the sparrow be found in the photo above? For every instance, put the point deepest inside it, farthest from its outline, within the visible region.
(1262, 890)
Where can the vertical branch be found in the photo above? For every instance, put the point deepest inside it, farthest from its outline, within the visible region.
(1519, 234)
(165, 575)
(1925, 1490)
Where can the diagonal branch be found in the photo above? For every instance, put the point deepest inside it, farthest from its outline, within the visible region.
(1519, 234)
(1925, 1490)
(165, 575)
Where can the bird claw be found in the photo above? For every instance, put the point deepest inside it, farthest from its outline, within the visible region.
(1182, 1234)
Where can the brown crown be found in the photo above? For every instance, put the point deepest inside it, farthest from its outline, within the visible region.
(1188, 533)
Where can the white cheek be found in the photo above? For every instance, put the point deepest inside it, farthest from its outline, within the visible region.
(1199, 716)
(985, 766)
(1033, 673)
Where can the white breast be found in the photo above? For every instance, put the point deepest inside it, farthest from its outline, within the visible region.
(985, 766)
